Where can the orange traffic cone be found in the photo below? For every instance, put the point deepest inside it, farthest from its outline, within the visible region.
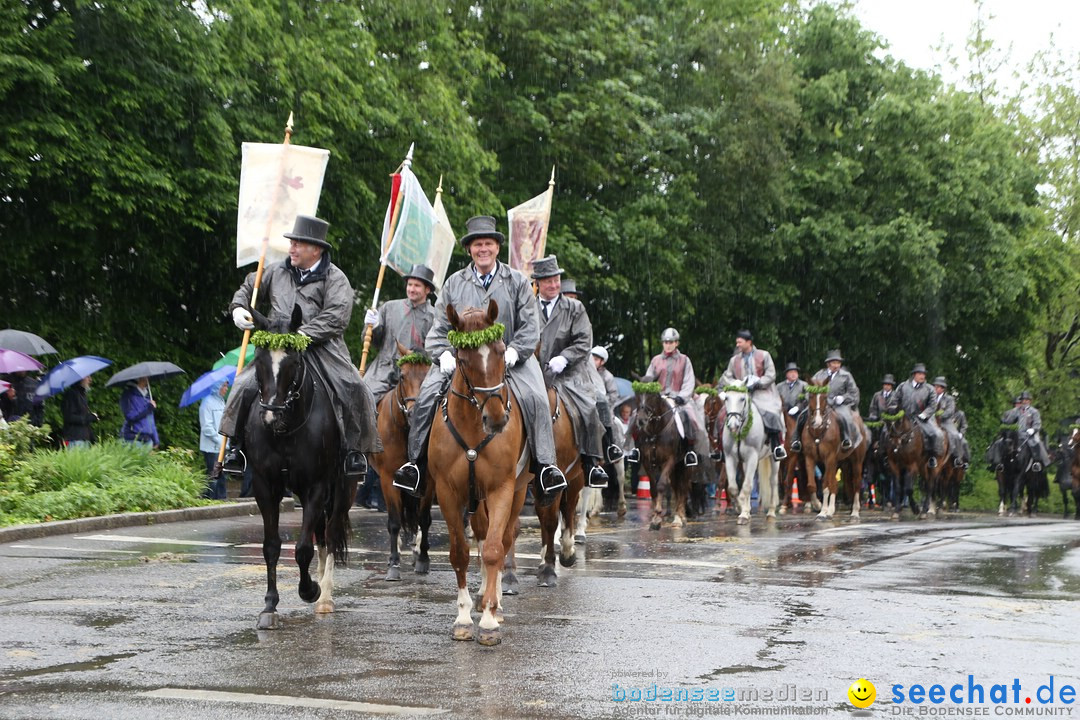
(795, 491)
(643, 489)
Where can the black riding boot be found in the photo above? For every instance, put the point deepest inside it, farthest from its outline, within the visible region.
(800, 423)
(407, 477)
(549, 481)
(235, 460)
(612, 451)
(778, 451)
(355, 465)
(597, 477)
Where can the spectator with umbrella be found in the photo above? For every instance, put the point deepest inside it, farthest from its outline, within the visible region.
(137, 402)
(78, 418)
(211, 388)
(7, 401)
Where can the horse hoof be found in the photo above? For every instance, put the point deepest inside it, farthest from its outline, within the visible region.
(579, 539)
(771, 515)
(622, 509)
(677, 522)
(510, 587)
(655, 524)
(324, 607)
(822, 517)
(547, 578)
(267, 621)
(568, 560)
(422, 566)
(464, 632)
(311, 595)
(742, 520)
(393, 573)
(783, 510)
(895, 516)
(489, 637)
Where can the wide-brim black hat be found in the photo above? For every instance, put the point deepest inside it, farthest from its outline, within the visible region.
(310, 230)
(792, 366)
(481, 226)
(546, 267)
(424, 274)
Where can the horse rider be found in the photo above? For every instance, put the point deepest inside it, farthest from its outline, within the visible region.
(945, 410)
(916, 399)
(960, 420)
(879, 403)
(843, 396)
(675, 373)
(1010, 416)
(995, 453)
(754, 367)
(569, 289)
(307, 278)
(484, 279)
(1029, 423)
(610, 399)
(792, 390)
(405, 322)
(565, 354)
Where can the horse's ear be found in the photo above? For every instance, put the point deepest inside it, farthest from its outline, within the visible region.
(635, 376)
(537, 351)
(260, 321)
(493, 311)
(297, 318)
(402, 351)
(452, 316)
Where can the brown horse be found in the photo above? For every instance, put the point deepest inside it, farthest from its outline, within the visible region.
(715, 415)
(659, 444)
(477, 457)
(792, 470)
(821, 441)
(565, 504)
(403, 511)
(904, 449)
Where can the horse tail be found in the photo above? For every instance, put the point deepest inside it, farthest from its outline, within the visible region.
(337, 526)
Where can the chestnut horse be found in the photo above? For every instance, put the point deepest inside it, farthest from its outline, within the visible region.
(793, 470)
(659, 443)
(477, 458)
(904, 449)
(821, 441)
(403, 512)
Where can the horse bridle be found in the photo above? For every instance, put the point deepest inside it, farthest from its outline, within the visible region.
(488, 392)
(403, 402)
(291, 396)
(649, 420)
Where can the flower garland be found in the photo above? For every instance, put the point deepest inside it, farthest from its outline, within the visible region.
(645, 388)
(817, 389)
(414, 358)
(475, 338)
(280, 341)
(873, 424)
(745, 430)
(892, 418)
(735, 388)
(1005, 426)
(705, 390)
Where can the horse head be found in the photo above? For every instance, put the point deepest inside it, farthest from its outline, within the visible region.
(481, 365)
(737, 405)
(651, 415)
(1074, 438)
(280, 372)
(817, 396)
(409, 373)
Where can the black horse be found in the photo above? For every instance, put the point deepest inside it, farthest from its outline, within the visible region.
(293, 445)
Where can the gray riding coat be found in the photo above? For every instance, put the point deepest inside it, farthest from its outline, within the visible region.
(764, 395)
(791, 394)
(326, 299)
(914, 401)
(946, 417)
(568, 332)
(879, 404)
(519, 312)
(841, 385)
(399, 322)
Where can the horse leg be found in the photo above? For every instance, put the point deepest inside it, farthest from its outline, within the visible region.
(1076, 501)
(421, 561)
(748, 467)
(828, 502)
(459, 560)
(325, 573)
(305, 547)
(492, 554)
(663, 482)
(620, 478)
(582, 515)
(570, 503)
(768, 471)
(549, 525)
(509, 582)
(393, 526)
(269, 507)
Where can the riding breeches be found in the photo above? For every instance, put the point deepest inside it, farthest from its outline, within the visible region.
(933, 437)
(533, 403)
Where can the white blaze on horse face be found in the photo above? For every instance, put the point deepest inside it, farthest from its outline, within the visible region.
(276, 358)
(485, 353)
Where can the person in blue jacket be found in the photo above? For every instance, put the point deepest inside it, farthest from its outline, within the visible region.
(138, 409)
(211, 409)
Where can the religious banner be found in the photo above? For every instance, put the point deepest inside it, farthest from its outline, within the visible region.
(528, 226)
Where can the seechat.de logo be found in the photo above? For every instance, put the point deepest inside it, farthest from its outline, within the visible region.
(862, 693)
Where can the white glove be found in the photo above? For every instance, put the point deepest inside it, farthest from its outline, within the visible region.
(1031, 431)
(793, 411)
(371, 317)
(557, 364)
(752, 381)
(242, 319)
(924, 416)
(447, 362)
(839, 400)
(511, 357)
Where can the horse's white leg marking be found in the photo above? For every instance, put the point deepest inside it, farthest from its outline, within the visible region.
(855, 502)
(488, 621)
(464, 607)
(325, 574)
(583, 511)
(826, 496)
(567, 542)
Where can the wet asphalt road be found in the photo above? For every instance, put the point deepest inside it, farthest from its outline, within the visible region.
(159, 621)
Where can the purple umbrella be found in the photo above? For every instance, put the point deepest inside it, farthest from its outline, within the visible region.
(70, 372)
(12, 361)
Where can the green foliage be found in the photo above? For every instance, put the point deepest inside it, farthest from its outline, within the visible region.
(706, 390)
(280, 341)
(414, 358)
(645, 388)
(817, 389)
(475, 338)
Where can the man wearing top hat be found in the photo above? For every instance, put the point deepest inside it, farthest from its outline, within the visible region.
(916, 399)
(754, 367)
(309, 279)
(1030, 423)
(569, 289)
(405, 322)
(565, 356)
(879, 403)
(484, 279)
(843, 396)
(945, 411)
(792, 390)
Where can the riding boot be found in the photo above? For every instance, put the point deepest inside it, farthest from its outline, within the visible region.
(634, 456)
(796, 442)
(778, 451)
(235, 460)
(549, 481)
(407, 478)
(598, 478)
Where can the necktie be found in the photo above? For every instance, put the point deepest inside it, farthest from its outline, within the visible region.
(546, 305)
(486, 280)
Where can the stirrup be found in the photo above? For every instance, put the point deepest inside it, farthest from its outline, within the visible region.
(690, 459)
(597, 477)
(1036, 466)
(847, 444)
(407, 479)
(355, 464)
(551, 479)
(932, 463)
(633, 456)
(614, 453)
(779, 453)
(796, 446)
(235, 462)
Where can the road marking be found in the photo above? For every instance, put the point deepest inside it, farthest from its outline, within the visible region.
(152, 540)
(74, 549)
(287, 700)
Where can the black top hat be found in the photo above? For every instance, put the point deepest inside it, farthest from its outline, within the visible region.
(424, 274)
(791, 366)
(919, 367)
(569, 286)
(940, 380)
(481, 226)
(888, 380)
(310, 230)
(546, 267)
(834, 355)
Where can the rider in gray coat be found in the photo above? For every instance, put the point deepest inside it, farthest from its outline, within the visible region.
(916, 398)
(406, 322)
(565, 356)
(309, 279)
(843, 396)
(755, 368)
(946, 412)
(1030, 423)
(484, 279)
(792, 390)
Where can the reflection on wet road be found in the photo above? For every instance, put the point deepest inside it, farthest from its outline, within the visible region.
(159, 621)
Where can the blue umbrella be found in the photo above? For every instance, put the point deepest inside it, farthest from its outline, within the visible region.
(205, 384)
(68, 373)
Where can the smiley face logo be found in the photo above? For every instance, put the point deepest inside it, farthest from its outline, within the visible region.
(862, 693)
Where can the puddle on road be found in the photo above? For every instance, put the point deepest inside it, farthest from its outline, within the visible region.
(95, 663)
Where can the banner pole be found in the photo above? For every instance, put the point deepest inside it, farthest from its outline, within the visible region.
(255, 291)
(387, 241)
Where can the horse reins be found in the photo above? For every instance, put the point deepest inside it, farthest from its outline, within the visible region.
(291, 396)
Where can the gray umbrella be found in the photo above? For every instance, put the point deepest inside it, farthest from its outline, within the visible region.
(155, 370)
(24, 342)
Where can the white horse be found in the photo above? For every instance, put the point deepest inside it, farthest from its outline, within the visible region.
(746, 448)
